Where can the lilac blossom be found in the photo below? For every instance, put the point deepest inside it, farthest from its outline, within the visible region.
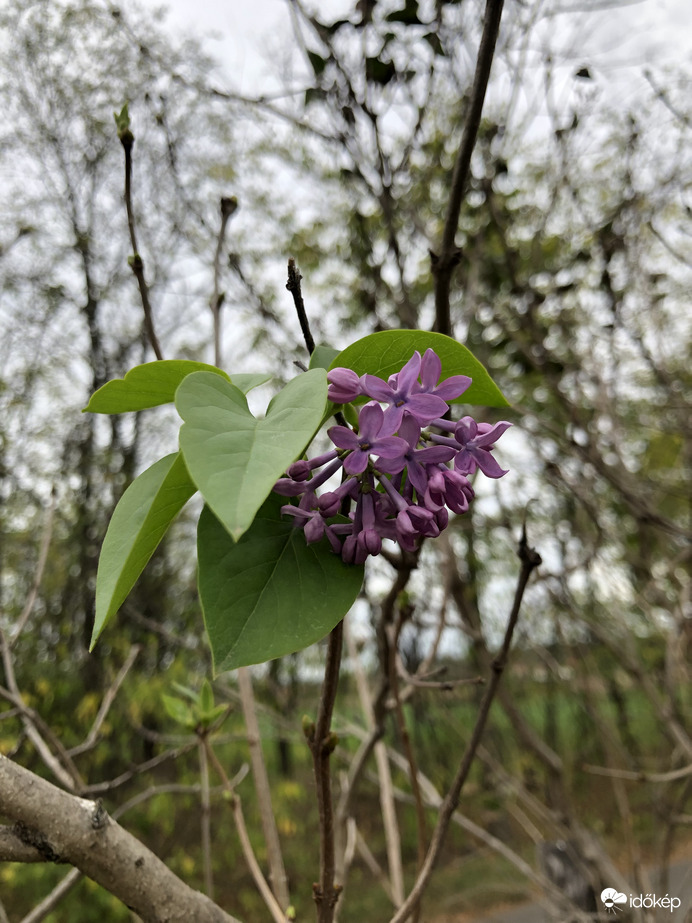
(477, 441)
(344, 386)
(430, 371)
(367, 441)
(399, 481)
(402, 396)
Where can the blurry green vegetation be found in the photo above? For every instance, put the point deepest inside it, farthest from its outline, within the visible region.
(469, 877)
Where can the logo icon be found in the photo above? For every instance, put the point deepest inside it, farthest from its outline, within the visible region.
(611, 898)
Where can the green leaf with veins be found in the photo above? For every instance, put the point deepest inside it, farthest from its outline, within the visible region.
(384, 353)
(270, 593)
(234, 458)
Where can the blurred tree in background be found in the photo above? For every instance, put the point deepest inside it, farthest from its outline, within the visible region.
(571, 283)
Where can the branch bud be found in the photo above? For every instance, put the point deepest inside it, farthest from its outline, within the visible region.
(308, 727)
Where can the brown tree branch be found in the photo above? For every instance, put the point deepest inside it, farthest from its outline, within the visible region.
(277, 871)
(261, 883)
(229, 206)
(108, 699)
(37, 730)
(530, 559)
(66, 828)
(40, 567)
(444, 262)
(322, 741)
(136, 262)
(293, 286)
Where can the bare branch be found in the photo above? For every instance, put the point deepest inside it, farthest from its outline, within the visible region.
(444, 262)
(229, 206)
(46, 536)
(70, 829)
(277, 871)
(108, 699)
(50, 902)
(136, 262)
(530, 559)
(248, 852)
(36, 729)
(293, 286)
(322, 741)
(633, 776)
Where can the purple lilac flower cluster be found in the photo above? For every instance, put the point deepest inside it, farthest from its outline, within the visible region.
(395, 467)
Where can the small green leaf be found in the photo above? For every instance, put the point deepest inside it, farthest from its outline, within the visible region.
(270, 593)
(322, 357)
(208, 718)
(187, 692)
(139, 522)
(206, 697)
(122, 124)
(235, 459)
(178, 711)
(146, 386)
(385, 353)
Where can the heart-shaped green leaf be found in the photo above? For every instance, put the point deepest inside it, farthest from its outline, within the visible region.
(235, 459)
(270, 593)
(386, 352)
(139, 522)
(155, 383)
(247, 382)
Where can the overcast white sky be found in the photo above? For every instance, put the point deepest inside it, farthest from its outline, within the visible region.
(650, 31)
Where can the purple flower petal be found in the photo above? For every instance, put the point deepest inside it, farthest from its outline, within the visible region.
(408, 376)
(425, 407)
(453, 387)
(492, 435)
(430, 370)
(369, 422)
(376, 388)
(343, 437)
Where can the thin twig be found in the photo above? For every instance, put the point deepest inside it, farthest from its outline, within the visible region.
(36, 729)
(444, 262)
(374, 720)
(641, 776)
(205, 819)
(277, 870)
(321, 742)
(248, 852)
(40, 567)
(108, 699)
(530, 559)
(40, 911)
(136, 262)
(229, 205)
(169, 788)
(100, 788)
(421, 824)
(293, 286)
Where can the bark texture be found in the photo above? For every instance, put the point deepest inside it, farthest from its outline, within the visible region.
(60, 827)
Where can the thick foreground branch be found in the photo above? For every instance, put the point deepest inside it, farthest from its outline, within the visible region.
(64, 828)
